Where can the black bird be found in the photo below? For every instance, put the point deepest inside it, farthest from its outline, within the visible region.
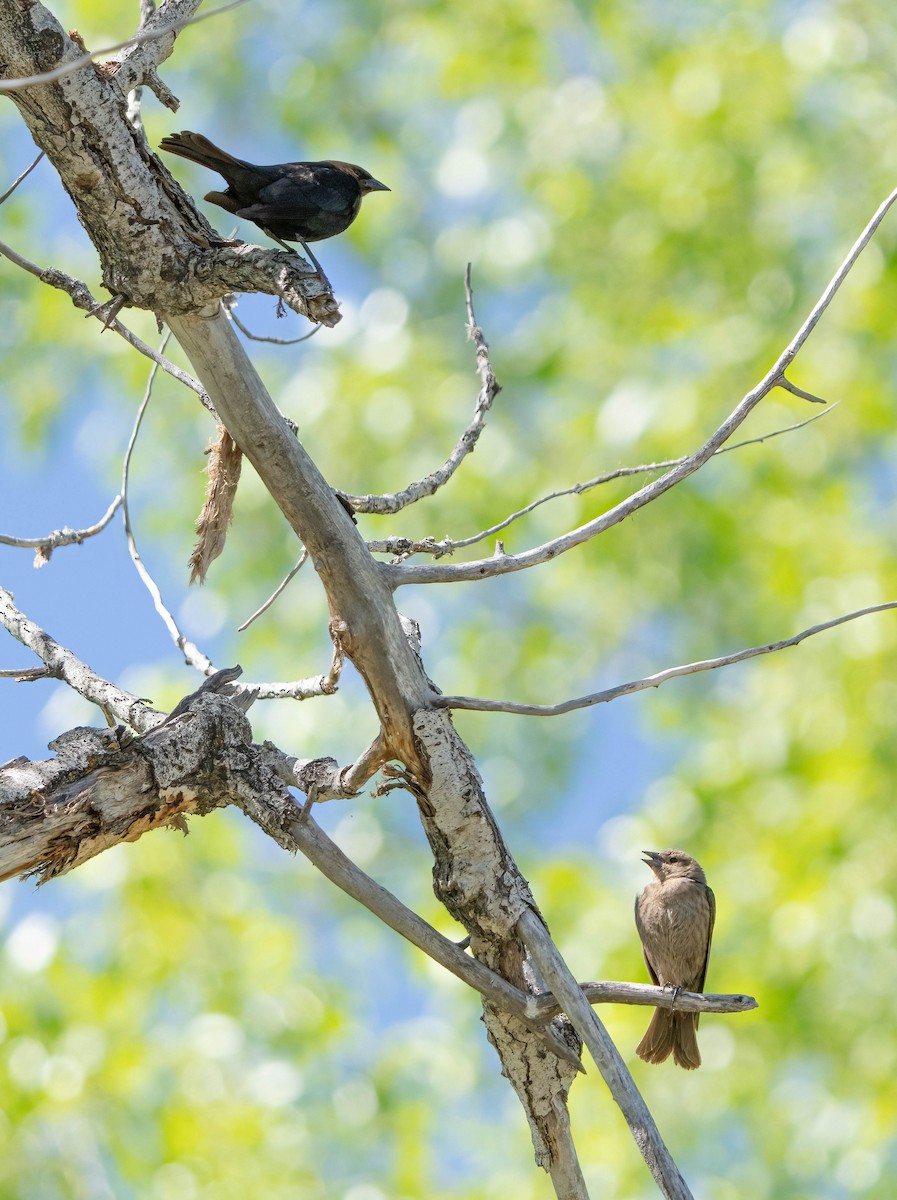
(290, 202)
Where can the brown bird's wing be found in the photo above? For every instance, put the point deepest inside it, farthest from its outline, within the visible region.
(641, 932)
(711, 902)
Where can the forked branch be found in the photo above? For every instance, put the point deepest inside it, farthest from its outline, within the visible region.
(489, 389)
(503, 564)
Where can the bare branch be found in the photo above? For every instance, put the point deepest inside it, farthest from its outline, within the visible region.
(61, 537)
(84, 60)
(612, 992)
(62, 664)
(193, 656)
(300, 689)
(311, 840)
(651, 681)
(229, 304)
(606, 1055)
(82, 298)
(489, 389)
(103, 789)
(796, 391)
(12, 187)
(502, 564)
(25, 674)
(402, 548)
(297, 689)
(303, 559)
(324, 779)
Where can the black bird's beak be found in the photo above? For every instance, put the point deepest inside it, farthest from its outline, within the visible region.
(374, 185)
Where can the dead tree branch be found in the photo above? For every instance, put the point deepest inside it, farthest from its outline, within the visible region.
(44, 546)
(489, 389)
(480, 704)
(60, 663)
(402, 548)
(503, 564)
(653, 681)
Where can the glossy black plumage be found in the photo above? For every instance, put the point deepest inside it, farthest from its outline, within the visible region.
(291, 202)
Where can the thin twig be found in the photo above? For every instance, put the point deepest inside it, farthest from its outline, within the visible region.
(303, 559)
(651, 681)
(300, 689)
(61, 537)
(796, 391)
(503, 564)
(12, 187)
(403, 547)
(84, 60)
(192, 654)
(489, 389)
(228, 303)
(81, 297)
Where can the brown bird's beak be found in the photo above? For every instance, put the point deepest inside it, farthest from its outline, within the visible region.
(374, 185)
(653, 860)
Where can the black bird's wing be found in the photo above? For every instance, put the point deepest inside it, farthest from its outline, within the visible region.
(311, 201)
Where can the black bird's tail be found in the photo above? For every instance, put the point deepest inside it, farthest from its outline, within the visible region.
(200, 150)
(671, 1033)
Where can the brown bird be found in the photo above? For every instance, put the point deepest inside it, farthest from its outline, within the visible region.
(290, 202)
(674, 916)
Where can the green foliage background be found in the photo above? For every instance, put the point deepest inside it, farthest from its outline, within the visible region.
(652, 197)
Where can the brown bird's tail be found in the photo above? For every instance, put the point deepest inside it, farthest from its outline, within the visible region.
(673, 1033)
(200, 150)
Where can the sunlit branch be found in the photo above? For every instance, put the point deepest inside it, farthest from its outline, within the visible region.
(489, 389)
(503, 564)
(81, 297)
(605, 1054)
(61, 663)
(308, 838)
(84, 60)
(404, 547)
(12, 187)
(613, 992)
(44, 546)
(651, 681)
